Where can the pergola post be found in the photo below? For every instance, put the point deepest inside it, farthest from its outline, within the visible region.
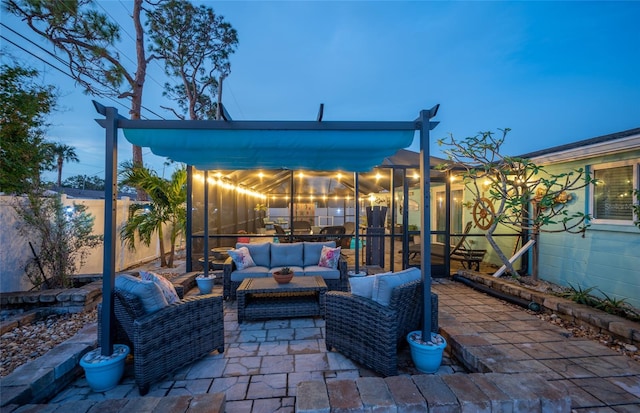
(425, 218)
(110, 201)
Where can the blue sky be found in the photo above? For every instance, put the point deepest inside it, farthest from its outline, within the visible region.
(553, 72)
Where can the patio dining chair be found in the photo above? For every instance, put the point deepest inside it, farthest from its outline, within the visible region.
(281, 235)
(301, 228)
(330, 235)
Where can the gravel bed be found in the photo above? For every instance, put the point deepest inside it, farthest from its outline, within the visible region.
(26, 343)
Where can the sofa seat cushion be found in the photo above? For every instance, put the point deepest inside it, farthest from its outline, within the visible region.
(255, 272)
(324, 272)
(296, 270)
(312, 251)
(260, 253)
(287, 255)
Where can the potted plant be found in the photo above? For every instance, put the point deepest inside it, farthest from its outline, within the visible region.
(426, 355)
(205, 284)
(104, 372)
(283, 276)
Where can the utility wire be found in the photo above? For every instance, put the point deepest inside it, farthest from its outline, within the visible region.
(36, 56)
(59, 59)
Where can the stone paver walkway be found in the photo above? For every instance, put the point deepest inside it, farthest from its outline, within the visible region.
(265, 361)
(489, 335)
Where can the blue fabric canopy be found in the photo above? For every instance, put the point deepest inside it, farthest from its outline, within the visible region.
(321, 146)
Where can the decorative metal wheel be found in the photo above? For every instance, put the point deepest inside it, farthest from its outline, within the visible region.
(483, 213)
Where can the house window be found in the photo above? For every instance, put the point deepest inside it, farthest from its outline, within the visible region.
(613, 193)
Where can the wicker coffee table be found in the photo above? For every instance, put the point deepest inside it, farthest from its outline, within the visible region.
(260, 298)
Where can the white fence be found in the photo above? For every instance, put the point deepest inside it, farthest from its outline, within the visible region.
(15, 251)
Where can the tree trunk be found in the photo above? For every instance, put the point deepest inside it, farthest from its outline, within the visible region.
(136, 99)
(59, 172)
(501, 255)
(163, 258)
(535, 235)
(172, 249)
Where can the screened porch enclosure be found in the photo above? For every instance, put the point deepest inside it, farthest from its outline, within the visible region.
(269, 205)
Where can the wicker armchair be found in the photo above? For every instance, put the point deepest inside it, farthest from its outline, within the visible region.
(370, 333)
(170, 338)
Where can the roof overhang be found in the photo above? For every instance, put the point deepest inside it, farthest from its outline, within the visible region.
(585, 152)
(599, 146)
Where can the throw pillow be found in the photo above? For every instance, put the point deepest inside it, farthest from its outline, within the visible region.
(329, 257)
(242, 258)
(147, 291)
(312, 251)
(260, 253)
(168, 290)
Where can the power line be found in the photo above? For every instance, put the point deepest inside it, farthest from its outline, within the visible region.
(228, 87)
(35, 44)
(122, 28)
(116, 101)
(37, 57)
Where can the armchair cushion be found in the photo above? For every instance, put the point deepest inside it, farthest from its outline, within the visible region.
(329, 257)
(242, 258)
(148, 292)
(313, 250)
(168, 290)
(287, 255)
(384, 284)
(363, 286)
(260, 252)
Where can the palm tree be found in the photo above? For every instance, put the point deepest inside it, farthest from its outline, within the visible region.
(167, 207)
(62, 153)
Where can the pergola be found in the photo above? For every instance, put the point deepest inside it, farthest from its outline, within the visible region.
(353, 146)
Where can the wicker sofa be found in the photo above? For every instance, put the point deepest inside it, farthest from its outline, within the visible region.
(301, 257)
(167, 339)
(369, 332)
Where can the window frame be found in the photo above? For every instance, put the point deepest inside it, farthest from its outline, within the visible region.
(635, 163)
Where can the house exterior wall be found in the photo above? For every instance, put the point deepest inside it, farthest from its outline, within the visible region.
(606, 257)
(15, 251)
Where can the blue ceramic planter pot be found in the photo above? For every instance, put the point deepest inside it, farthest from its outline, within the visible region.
(205, 284)
(427, 357)
(104, 373)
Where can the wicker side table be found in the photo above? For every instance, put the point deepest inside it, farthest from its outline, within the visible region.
(260, 298)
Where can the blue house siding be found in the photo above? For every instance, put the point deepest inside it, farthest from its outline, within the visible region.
(605, 260)
(607, 257)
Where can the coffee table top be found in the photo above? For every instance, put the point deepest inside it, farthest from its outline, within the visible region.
(268, 284)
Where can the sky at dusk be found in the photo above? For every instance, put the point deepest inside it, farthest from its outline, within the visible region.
(553, 72)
